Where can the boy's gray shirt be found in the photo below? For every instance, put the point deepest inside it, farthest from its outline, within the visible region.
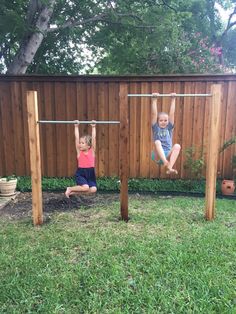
(164, 135)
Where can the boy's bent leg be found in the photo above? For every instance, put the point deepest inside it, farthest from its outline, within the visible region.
(161, 153)
(174, 153)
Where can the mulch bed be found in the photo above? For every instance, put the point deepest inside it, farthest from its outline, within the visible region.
(21, 206)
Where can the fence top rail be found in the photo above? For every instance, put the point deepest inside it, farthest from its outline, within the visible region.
(170, 95)
(77, 122)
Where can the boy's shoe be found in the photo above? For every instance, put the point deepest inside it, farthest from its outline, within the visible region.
(153, 157)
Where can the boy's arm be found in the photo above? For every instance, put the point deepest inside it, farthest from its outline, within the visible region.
(93, 125)
(77, 136)
(172, 109)
(154, 107)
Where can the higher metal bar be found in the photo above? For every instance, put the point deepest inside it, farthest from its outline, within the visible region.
(169, 95)
(75, 121)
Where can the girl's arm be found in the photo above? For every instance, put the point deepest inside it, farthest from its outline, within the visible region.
(172, 109)
(93, 125)
(77, 137)
(154, 107)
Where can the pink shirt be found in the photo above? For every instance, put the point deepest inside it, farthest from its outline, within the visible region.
(86, 160)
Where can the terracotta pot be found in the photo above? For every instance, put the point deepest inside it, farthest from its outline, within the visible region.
(7, 188)
(227, 187)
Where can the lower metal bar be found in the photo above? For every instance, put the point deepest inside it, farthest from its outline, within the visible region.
(75, 121)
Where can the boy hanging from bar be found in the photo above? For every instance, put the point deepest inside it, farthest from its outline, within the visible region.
(162, 128)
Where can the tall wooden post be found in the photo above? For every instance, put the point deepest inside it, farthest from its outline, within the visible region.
(35, 158)
(213, 151)
(124, 162)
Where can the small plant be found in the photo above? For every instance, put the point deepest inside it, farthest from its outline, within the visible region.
(234, 166)
(194, 166)
(226, 144)
(11, 177)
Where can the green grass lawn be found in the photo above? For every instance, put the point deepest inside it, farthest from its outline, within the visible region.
(166, 259)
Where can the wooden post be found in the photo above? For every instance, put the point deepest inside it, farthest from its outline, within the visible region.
(124, 162)
(35, 158)
(213, 151)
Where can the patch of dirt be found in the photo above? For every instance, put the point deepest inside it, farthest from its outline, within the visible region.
(21, 206)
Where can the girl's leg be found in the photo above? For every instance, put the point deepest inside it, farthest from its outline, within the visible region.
(92, 189)
(161, 153)
(174, 153)
(76, 189)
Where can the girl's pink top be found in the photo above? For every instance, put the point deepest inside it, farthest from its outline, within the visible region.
(86, 160)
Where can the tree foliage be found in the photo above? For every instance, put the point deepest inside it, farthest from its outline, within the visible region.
(120, 37)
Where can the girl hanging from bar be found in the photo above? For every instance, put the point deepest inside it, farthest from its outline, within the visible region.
(85, 174)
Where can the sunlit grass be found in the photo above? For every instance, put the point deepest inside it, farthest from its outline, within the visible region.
(166, 259)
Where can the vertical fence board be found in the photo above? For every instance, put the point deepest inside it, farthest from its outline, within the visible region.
(102, 148)
(113, 130)
(187, 133)
(5, 127)
(49, 129)
(61, 144)
(230, 119)
(145, 126)
(25, 86)
(198, 122)
(2, 150)
(10, 135)
(81, 98)
(92, 97)
(71, 114)
(18, 128)
(134, 130)
(177, 133)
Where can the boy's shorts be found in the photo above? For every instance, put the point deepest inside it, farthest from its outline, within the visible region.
(158, 161)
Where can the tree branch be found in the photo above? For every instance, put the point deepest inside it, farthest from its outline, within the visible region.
(229, 24)
(33, 8)
(168, 6)
(99, 18)
(72, 24)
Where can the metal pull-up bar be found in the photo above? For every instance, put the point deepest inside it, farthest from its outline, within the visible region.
(213, 143)
(169, 95)
(35, 155)
(77, 122)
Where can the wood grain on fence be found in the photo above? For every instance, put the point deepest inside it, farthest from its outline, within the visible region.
(97, 97)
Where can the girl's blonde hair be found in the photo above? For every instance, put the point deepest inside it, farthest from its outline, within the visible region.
(88, 139)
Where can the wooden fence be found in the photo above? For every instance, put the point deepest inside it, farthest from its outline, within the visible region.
(97, 97)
